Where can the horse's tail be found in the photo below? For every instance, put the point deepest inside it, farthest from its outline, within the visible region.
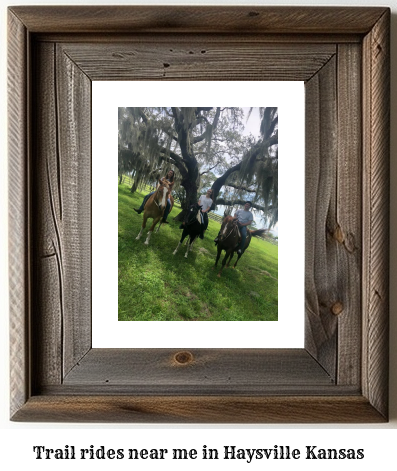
(258, 232)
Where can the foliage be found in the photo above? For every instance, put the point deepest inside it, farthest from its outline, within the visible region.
(156, 285)
(208, 149)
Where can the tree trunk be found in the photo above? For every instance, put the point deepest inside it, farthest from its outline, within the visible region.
(137, 180)
(191, 198)
(189, 169)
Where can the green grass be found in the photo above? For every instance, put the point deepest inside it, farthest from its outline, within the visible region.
(155, 285)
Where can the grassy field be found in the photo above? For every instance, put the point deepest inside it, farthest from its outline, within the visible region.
(155, 285)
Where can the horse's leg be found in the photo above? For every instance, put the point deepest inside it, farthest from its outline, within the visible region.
(230, 259)
(176, 250)
(139, 235)
(217, 257)
(192, 240)
(238, 258)
(190, 244)
(240, 254)
(189, 240)
(151, 230)
(143, 226)
(223, 263)
(180, 242)
(161, 222)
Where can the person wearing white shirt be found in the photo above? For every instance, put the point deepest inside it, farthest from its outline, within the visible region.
(205, 201)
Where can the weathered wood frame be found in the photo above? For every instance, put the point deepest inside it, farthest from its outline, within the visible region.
(343, 56)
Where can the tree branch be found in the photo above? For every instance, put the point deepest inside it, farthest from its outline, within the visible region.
(223, 202)
(178, 161)
(206, 171)
(239, 187)
(214, 125)
(143, 116)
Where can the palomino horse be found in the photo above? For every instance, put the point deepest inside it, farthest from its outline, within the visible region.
(155, 206)
(228, 240)
(191, 228)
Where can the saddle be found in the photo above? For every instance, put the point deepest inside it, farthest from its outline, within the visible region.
(200, 217)
(239, 239)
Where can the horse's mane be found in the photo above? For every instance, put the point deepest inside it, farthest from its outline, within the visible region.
(188, 215)
(227, 219)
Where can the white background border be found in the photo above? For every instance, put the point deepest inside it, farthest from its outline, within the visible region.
(288, 331)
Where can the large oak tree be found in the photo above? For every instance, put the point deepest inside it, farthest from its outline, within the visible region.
(207, 147)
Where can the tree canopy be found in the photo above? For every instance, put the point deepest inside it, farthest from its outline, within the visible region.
(207, 148)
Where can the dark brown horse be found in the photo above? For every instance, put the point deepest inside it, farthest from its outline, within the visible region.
(229, 240)
(155, 207)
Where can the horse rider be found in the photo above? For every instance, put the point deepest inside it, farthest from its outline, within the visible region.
(205, 201)
(168, 178)
(244, 218)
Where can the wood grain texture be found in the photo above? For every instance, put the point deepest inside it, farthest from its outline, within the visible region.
(342, 374)
(244, 37)
(47, 328)
(223, 59)
(244, 369)
(62, 206)
(199, 409)
(196, 19)
(346, 229)
(73, 89)
(19, 257)
(321, 277)
(333, 215)
(376, 92)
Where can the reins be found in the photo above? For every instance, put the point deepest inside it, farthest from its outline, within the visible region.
(234, 226)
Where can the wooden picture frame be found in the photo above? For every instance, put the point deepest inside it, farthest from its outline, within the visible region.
(342, 54)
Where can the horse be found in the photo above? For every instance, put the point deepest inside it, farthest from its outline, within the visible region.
(191, 228)
(228, 240)
(155, 207)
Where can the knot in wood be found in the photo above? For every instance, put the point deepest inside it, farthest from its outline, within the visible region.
(183, 358)
(337, 308)
(338, 235)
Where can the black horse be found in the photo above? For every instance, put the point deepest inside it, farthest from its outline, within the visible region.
(192, 227)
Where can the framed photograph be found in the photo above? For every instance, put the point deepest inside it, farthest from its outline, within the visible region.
(170, 283)
(340, 374)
